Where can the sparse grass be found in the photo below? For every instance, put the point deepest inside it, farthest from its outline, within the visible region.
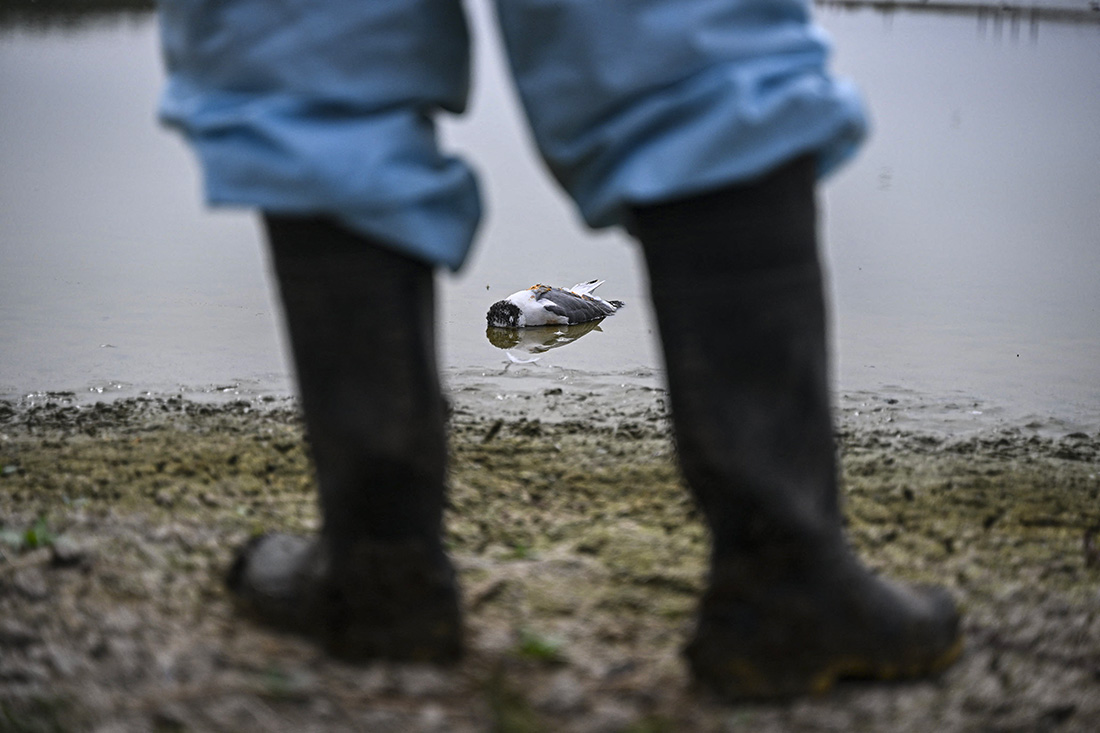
(36, 714)
(510, 710)
(539, 647)
(33, 537)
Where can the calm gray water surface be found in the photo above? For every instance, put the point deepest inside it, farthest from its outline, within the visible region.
(962, 243)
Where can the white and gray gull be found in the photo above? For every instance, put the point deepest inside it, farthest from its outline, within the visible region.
(542, 305)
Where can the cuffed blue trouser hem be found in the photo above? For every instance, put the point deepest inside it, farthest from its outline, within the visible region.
(665, 98)
(327, 107)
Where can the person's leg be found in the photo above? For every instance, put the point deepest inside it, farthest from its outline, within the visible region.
(376, 583)
(645, 100)
(308, 108)
(701, 126)
(737, 287)
(320, 115)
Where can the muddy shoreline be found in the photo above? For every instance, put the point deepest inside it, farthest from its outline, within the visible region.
(580, 556)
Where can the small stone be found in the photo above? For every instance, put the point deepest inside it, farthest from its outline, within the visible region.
(32, 584)
(563, 695)
(66, 663)
(65, 553)
(422, 681)
(121, 620)
(170, 717)
(610, 716)
(14, 635)
(488, 591)
(23, 672)
(432, 718)
(1055, 715)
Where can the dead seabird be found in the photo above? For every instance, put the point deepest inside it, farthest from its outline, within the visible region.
(543, 305)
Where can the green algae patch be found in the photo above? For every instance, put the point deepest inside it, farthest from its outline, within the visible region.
(980, 519)
(581, 557)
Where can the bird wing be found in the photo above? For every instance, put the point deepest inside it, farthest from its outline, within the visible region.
(574, 307)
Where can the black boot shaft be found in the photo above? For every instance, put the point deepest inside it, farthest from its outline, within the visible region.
(738, 292)
(737, 287)
(361, 322)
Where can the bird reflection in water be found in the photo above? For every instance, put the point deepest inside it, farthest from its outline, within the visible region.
(517, 343)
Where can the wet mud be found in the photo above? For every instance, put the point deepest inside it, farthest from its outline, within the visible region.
(581, 558)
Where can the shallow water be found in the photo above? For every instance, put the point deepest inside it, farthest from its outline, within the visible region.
(961, 243)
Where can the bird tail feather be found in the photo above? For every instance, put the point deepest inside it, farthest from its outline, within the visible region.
(586, 287)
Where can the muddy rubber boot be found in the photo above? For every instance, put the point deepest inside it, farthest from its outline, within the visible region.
(376, 583)
(737, 288)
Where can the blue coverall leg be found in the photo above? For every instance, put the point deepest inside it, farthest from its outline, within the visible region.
(639, 101)
(327, 107)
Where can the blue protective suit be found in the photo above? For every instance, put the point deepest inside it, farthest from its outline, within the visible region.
(327, 106)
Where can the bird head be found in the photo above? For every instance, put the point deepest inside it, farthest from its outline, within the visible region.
(503, 314)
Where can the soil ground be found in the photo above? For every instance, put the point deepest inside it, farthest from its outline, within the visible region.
(581, 559)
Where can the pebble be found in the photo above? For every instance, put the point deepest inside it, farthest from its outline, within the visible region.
(24, 672)
(31, 582)
(121, 620)
(65, 662)
(14, 635)
(432, 718)
(609, 717)
(66, 553)
(563, 695)
(421, 681)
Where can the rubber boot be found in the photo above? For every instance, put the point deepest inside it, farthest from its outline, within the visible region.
(737, 288)
(376, 583)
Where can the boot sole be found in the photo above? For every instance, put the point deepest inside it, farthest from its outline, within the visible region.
(742, 680)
